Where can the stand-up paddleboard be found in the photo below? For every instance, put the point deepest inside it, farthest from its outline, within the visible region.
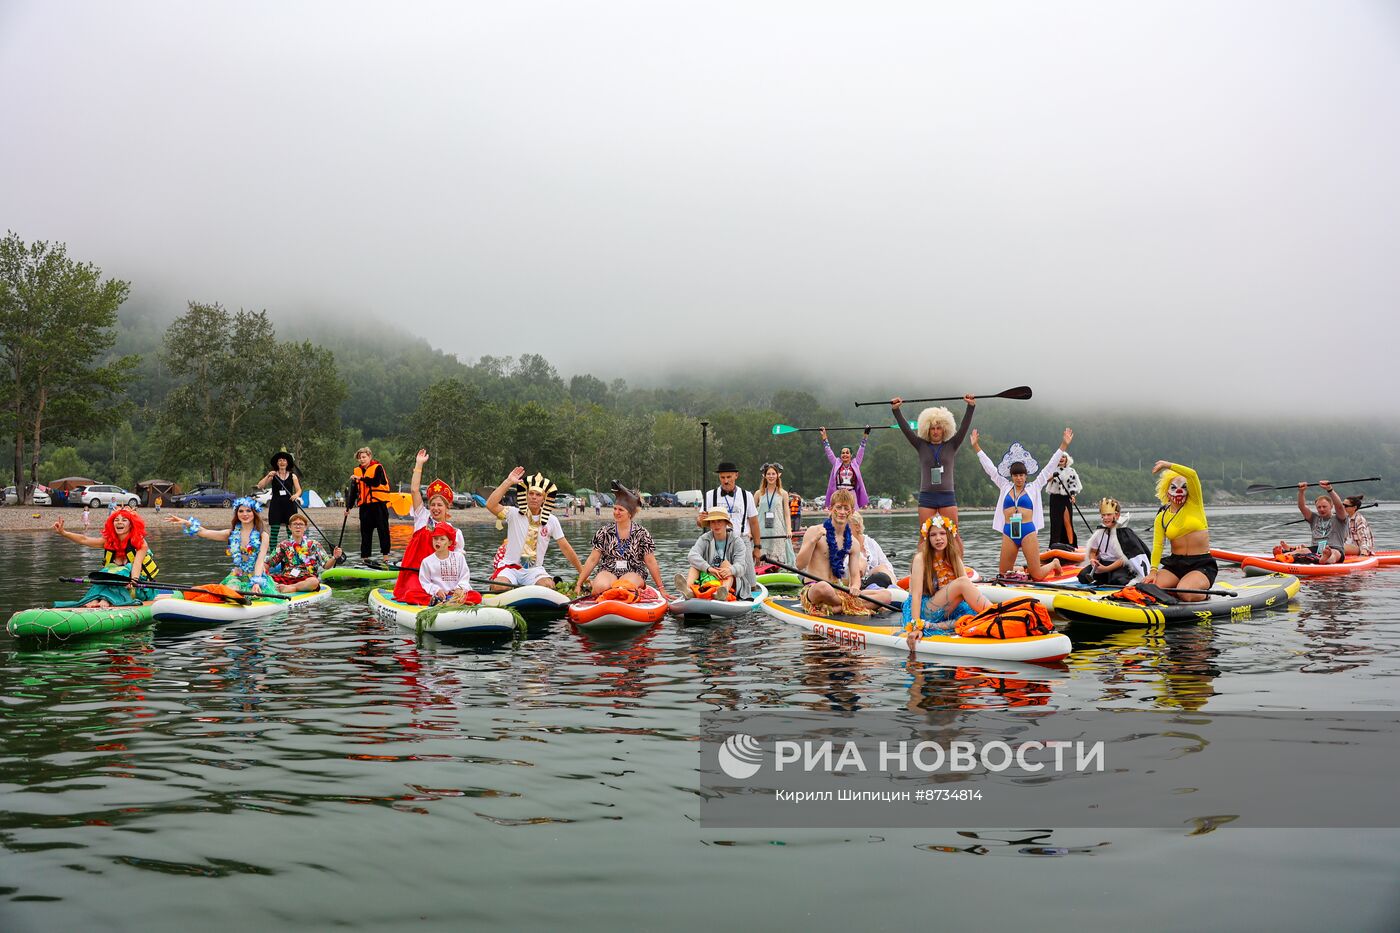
(694, 607)
(1258, 594)
(469, 620)
(176, 610)
(862, 632)
(591, 614)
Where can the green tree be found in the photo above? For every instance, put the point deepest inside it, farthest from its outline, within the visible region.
(57, 319)
(307, 410)
(461, 431)
(225, 405)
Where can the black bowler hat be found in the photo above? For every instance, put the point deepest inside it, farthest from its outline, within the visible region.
(727, 466)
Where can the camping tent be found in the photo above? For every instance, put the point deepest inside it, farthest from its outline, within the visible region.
(311, 500)
(150, 488)
(68, 483)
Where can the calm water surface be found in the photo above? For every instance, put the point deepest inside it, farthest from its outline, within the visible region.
(319, 769)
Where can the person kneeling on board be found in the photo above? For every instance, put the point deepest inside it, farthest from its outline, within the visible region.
(1117, 556)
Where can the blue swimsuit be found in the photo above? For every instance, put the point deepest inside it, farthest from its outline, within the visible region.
(1023, 502)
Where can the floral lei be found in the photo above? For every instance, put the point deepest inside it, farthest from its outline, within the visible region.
(837, 557)
(245, 556)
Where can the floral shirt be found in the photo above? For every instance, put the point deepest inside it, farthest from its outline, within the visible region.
(619, 555)
(304, 558)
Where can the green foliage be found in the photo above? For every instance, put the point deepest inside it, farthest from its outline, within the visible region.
(57, 321)
(61, 462)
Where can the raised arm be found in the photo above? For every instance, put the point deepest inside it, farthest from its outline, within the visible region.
(956, 440)
(860, 454)
(417, 480)
(896, 408)
(989, 468)
(493, 501)
(1306, 512)
(85, 540)
(193, 528)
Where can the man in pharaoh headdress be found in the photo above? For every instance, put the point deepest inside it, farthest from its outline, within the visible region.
(530, 526)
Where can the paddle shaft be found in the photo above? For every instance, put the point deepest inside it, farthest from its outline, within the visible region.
(240, 600)
(834, 586)
(1079, 589)
(1020, 392)
(1259, 487)
(854, 427)
(119, 580)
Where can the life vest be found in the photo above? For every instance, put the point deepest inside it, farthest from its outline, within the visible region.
(370, 493)
(794, 504)
(623, 591)
(148, 566)
(206, 593)
(1016, 618)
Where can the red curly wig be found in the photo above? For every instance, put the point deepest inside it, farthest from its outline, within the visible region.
(137, 537)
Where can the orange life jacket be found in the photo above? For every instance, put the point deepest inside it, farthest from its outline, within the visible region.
(1015, 618)
(370, 493)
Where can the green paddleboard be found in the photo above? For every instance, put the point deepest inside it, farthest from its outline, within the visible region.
(356, 576)
(46, 624)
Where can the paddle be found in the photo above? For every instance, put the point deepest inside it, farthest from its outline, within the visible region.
(781, 429)
(110, 579)
(834, 586)
(1020, 392)
(99, 576)
(1081, 587)
(1299, 521)
(1252, 488)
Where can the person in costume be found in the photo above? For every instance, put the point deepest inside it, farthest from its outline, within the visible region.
(286, 492)
(370, 484)
(297, 563)
(936, 441)
(879, 577)
(831, 553)
(1017, 513)
(712, 560)
(1360, 541)
(124, 546)
(1117, 556)
(444, 574)
(1182, 521)
(774, 514)
(624, 551)
(939, 589)
(1329, 526)
(743, 514)
(246, 542)
(407, 587)
(530, 526)
(845, 470)
(1064, 486)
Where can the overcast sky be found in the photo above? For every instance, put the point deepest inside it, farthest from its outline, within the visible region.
(946, 195)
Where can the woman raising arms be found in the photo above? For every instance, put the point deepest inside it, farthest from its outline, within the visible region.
(1017, 513)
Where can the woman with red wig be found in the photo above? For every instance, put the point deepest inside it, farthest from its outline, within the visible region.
(123, 544)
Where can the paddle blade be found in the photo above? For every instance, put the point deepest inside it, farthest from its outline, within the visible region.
(1020, 392)
(783, 429)
(401, 503)
(1252, 488)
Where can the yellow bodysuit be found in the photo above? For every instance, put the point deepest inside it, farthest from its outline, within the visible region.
(1168, 525)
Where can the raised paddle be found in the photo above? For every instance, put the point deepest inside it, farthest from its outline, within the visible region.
(1299, 521)
(111, 580)
(781, 429)
(834, 586)
(1252, 488)
(99, 576)
(1020, 393)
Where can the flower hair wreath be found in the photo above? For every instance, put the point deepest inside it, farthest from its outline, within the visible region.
(941, 521)
(249, 501)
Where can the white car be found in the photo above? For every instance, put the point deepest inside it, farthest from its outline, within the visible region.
(41, 496)
(99, 496)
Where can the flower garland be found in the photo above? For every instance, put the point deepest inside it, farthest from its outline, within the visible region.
(837, 557)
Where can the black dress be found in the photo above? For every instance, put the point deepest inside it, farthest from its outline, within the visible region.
(282, 508)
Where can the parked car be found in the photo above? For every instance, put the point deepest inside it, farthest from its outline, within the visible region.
(203, 494)
(463, 500)
(665, 500)
(75, 496)
(41, 496)
(689, 497)
(100, 495)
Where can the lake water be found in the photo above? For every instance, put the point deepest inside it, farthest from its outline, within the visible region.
(320, 769)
